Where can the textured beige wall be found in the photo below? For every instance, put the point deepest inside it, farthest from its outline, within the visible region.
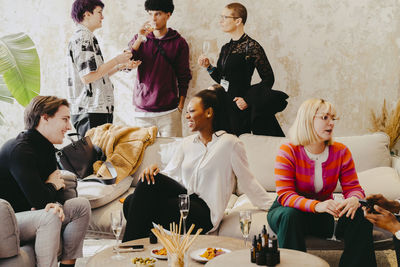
(344, 51)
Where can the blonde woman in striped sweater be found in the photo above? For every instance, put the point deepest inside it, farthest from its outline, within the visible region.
(307, 170)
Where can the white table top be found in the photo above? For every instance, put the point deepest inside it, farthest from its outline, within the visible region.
(289, 257)
(103, 258)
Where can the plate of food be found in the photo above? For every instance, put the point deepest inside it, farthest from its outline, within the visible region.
(144, 262)
(159, 253)
(206, 254)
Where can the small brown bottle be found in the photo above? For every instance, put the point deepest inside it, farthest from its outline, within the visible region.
(253, 250)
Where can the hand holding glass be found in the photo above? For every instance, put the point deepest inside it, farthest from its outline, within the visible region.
(116, 226)
(184, 205)
(337, 198)
(245, 223)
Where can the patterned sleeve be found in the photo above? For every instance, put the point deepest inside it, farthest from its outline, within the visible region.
(83, 53)
(348, 177)
(285, 175)
(262, 65)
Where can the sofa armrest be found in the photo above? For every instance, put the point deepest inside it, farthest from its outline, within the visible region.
(396, 163)
(9, 233)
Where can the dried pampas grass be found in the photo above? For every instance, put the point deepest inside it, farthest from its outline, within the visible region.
(387, 122)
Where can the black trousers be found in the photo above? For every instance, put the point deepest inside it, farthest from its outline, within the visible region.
(159, 203)
(84, 122)
(293, 225)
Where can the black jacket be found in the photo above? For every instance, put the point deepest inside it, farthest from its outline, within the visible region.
(264, 104)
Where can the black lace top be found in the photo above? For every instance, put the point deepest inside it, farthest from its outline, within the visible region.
(236, 63)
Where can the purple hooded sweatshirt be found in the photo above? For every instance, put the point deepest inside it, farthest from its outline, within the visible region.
(159, 84)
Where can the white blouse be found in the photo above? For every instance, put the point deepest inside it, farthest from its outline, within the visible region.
(209, 171)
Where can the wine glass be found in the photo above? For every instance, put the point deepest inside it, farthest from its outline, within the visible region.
(184, 205)
(206, 47)
(337, 198)
(245, 223)
(116, 226)
(149, 27)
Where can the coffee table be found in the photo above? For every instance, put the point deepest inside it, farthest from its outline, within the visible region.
(289, 257)
(103, 258)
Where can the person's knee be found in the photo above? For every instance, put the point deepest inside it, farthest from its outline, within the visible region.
(51, 219)
(291, 216)
(78, 206)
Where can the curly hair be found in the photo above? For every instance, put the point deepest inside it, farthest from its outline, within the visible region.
(163, 5)
(79, 7)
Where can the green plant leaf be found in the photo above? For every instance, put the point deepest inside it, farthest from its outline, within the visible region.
(2, 120)
(5, 95)
(20, 67)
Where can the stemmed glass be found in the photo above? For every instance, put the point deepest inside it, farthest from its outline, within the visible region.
(149, 27)
(184, 205)
(245, 223)
(206, 47)
(116, 226)
(337, 198)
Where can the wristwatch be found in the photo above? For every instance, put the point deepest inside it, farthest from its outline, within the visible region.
(397, 235)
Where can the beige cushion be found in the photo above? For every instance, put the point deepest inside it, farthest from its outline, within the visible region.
(369, 151)
(158, 153)
(381, 180)
(99, 194)
(9, 233)
(99, 225)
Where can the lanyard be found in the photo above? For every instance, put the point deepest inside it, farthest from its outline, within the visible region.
(228, 53)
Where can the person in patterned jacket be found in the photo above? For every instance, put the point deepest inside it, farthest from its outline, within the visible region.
(90, 91)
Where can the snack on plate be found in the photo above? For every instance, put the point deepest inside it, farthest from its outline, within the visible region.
(162, 252)
(211, 253)
(145, 262)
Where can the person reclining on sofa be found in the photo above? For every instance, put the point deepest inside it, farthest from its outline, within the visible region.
(203, 167)
(31, 183)
(384, 218)
(307, 171)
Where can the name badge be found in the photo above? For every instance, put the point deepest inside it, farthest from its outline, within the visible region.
(225, 84)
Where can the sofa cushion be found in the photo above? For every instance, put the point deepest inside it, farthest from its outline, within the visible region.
(99, 194)
(100, 225)
(381, 180)
(9, 233)
(368, 151)
(158, 153)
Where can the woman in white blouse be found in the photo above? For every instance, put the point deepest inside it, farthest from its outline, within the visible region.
(203, 166)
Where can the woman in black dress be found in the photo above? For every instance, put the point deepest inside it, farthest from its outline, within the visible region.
(235, 67)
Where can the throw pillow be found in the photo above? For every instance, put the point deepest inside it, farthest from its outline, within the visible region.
(100, 194)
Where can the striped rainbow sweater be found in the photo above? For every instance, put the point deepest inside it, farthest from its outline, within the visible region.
(294, 173)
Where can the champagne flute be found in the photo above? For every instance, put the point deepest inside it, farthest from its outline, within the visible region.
(337, 198)
(184, 205)
(245, 223)
(206, 47)
(116, 226)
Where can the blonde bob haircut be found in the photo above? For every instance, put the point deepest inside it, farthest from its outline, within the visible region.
(302, 131)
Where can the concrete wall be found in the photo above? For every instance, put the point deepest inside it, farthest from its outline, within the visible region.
(344, 51)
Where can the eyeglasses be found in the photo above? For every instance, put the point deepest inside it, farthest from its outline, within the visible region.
(326, 117)
(222, 17)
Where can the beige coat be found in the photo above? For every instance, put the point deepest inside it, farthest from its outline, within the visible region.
(123, 146)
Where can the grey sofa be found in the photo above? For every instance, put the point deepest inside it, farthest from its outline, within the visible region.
(12, 254)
